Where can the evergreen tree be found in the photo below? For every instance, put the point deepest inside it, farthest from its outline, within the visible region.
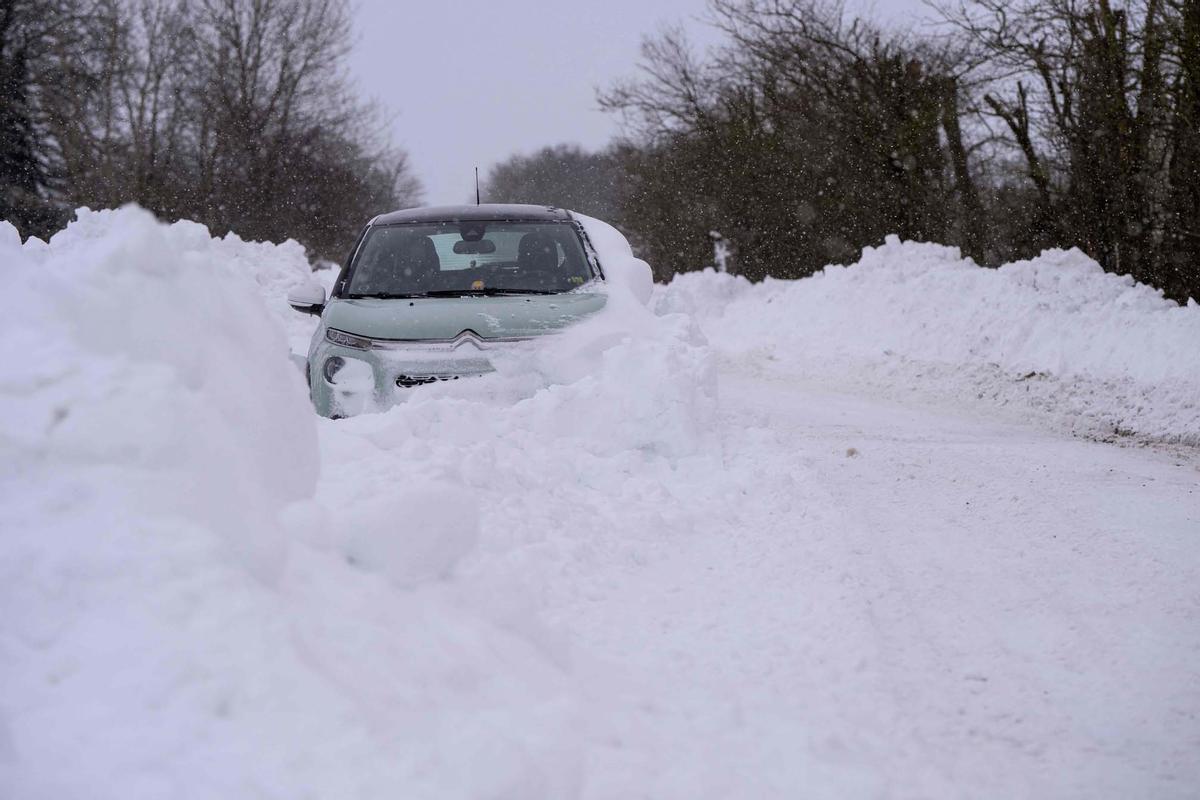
(22, 174)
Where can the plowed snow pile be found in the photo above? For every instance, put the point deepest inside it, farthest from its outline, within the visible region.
(1088, 350)
(179, 617)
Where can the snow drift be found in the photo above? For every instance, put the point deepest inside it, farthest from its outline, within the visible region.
(186, 611)
(141, 349)
(151, 437)
(1088, 350)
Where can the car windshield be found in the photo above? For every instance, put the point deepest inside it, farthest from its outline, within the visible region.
(468, 257)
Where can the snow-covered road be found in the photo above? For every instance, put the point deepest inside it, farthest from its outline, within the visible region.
(912, 602)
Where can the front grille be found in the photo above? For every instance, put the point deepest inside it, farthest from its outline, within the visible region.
(409, 381)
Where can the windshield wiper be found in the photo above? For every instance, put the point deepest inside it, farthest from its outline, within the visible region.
(387, 295)
(493, 292)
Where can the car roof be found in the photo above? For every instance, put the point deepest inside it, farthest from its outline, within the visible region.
(487, 211)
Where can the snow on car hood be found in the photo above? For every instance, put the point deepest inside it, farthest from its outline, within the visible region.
(446, 317)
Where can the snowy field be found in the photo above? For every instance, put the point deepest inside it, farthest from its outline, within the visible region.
(905, 529)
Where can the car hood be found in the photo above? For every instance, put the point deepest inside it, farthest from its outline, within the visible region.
(498, 317)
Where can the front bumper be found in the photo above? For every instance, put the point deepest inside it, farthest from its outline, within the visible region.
(380, 373)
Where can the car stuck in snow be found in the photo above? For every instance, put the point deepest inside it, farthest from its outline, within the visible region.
(428, 293)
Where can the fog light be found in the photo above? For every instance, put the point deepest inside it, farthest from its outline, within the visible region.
(332, 365)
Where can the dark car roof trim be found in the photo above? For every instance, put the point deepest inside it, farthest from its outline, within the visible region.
(493, 212)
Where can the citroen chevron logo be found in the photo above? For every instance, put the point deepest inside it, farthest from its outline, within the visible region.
(468, 337)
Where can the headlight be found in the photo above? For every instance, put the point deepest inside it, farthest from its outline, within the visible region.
(347, 339)
(332, 365)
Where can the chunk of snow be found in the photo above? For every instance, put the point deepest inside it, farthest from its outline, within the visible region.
(412, 535)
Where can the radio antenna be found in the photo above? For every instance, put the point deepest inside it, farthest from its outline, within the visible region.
(477, 186)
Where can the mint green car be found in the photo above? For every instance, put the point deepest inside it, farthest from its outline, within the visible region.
(429, 293)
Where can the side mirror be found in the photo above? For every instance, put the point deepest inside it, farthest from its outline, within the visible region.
(308, 298)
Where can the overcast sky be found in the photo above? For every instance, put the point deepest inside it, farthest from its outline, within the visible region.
(471, 81)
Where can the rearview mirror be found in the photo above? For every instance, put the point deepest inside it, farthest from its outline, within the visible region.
(475, 248)
(308, 298)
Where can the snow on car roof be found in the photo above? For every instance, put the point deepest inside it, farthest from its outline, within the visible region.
(487, 211)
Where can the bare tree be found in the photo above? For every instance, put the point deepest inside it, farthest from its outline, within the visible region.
(44, 49)
(561, 175)
(1092, 95)
(236, 113)
(813, 133)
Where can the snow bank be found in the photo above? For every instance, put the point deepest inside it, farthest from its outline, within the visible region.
(595, 451)
(276, 270)
(188, 610)
(136, 346)
(1095, 350)
(178, 616)
(152, 431)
